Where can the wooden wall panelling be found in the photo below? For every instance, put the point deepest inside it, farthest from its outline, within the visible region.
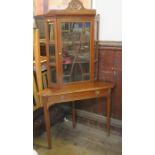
(110, 69)
(106, 65)
(117, 91)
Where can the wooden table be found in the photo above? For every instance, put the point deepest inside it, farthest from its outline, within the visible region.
(51, 96)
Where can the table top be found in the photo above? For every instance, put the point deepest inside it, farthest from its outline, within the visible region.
(80, 87)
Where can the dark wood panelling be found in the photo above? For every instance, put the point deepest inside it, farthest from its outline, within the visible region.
(110, 69)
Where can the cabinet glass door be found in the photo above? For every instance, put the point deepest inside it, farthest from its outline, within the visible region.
(52, 51)
(75, 39)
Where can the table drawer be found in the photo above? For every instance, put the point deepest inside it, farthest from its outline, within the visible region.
(78, 96)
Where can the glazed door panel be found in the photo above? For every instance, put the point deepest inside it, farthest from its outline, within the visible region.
(75, 51)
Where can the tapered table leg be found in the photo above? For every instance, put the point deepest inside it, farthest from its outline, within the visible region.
(73, 115)
(47, 122)
(108, 102)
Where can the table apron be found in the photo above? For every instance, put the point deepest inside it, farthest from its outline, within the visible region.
(78, 96)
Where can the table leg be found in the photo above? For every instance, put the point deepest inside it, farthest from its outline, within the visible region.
(73, 115)
(108, 102)
(47, 122)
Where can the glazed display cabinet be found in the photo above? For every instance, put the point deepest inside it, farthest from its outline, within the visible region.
(71, 40)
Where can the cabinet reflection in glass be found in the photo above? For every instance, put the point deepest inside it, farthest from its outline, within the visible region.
(75, 38)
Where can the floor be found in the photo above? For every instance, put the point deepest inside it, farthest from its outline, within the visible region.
(83, 140)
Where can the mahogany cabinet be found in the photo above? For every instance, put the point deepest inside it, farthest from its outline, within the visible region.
(70, 45)
(72, 61)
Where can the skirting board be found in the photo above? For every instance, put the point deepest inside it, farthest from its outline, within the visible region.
(98, 118)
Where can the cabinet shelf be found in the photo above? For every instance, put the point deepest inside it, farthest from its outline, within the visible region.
(43, 59)
(66, 31)
(42, 41)
(79, 62)
(75, 42)
(69, 77)
(83, 74)
(52, 64)
(51, 42)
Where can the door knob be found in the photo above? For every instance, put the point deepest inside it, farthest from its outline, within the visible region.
(97, 92)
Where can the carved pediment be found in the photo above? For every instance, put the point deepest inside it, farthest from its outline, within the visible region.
(75, 5)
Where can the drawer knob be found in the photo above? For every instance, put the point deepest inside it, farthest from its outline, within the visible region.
(61, 97)
(97, 92)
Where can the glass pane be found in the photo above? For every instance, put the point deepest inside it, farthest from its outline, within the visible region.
(96, 51)
(53, 74)
(96, 38)
(51, 31)
(76, 51)
(52, 54)
(96, 61)
(95, 70)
